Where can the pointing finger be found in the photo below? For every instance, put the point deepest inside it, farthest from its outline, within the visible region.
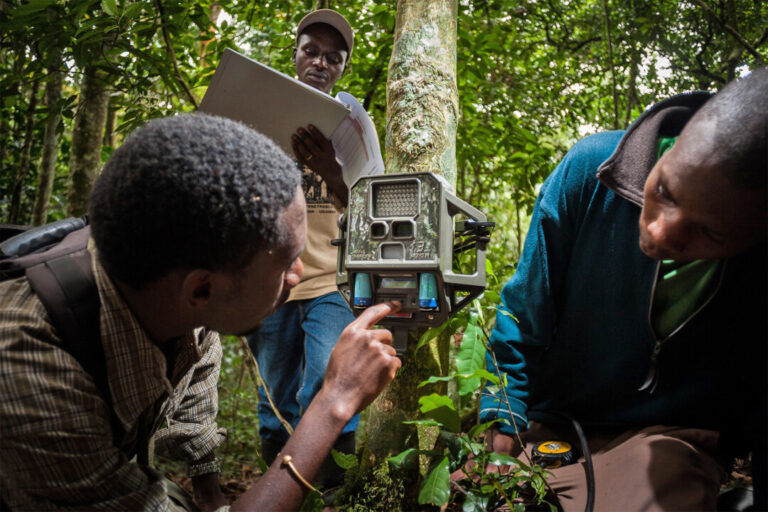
(372, 315)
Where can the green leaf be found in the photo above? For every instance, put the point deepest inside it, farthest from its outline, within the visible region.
(344, 460)
(434, 379)
(133, 10)
(475, 503)
(434, 401)
(482, 374)
(471, 357)
(505, 312)
(110, 7)
(431, 333)
(448, 418)
(499, 459)
(440, 408)
(437, 486)
(482, 427)
(401, 458)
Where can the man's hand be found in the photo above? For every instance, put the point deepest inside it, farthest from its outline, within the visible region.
(208, 495)
(363, 361)
(498, 442)
(313, 150)
(495, 441)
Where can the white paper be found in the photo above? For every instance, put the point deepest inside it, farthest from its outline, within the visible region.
(356, 143)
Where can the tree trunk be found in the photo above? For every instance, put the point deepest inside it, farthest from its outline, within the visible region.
(632, 100)
(109, 126)
(14, 210)
(50, 141)
(9, 130)
(422, 111)
(85, 154)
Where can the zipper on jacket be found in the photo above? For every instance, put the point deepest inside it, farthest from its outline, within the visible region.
(652, 379)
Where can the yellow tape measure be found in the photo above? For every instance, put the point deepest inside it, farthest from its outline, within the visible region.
(553, 454)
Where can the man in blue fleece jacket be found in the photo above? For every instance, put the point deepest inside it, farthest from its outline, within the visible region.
(639, 306)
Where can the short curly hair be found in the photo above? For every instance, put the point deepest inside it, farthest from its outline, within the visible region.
(189, 191)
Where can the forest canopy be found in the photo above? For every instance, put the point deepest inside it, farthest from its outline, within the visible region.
(533, 77)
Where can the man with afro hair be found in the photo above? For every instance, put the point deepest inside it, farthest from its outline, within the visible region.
(197, 227)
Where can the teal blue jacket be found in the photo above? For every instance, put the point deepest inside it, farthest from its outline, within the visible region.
(581, 342)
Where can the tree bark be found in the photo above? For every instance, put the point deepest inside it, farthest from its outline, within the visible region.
(8, 132)
(422, 111)
(632, 100)
(14, 210)
(85, 153)
(422, 98)
(50, 141)
(109, 126)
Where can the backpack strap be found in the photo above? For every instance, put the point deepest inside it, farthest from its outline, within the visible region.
(66, 286)
(68, 292)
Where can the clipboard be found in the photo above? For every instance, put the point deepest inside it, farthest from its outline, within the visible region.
(271, 102)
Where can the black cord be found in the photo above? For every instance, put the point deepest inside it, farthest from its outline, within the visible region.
(587, 460)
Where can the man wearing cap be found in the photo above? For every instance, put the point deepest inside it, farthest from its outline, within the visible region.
(293, 345)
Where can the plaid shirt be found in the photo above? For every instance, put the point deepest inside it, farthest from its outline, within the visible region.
(56, 443)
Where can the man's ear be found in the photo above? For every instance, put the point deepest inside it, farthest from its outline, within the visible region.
(293, 56)
(196, 288)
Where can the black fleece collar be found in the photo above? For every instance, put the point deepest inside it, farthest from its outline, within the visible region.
(628, 167)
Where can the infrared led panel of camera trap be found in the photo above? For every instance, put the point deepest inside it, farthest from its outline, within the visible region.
(396, 199)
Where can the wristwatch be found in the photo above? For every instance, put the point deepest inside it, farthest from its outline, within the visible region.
(203, 468)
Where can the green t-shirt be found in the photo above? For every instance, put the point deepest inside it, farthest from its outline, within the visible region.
(681, 288)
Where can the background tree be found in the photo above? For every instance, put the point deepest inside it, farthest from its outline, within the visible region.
(422, 116)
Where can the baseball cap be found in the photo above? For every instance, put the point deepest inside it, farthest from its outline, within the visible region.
(332, 18)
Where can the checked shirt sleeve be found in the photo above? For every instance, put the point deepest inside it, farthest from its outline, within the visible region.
(192, 432)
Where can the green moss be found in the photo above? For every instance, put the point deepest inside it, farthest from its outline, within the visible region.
(381, 488)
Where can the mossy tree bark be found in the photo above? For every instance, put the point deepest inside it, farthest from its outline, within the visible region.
(422, 111)
(85, 155)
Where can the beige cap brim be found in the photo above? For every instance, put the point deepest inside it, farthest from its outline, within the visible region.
(332, 18)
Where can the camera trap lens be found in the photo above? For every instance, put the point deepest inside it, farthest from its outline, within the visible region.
(378, 230)
(402, 229)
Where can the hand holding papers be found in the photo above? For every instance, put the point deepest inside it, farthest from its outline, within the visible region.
(277, 105)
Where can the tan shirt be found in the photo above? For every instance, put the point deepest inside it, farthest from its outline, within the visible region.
(56, 446)
(319, 256)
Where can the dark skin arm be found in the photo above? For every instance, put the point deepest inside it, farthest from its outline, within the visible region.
(313, 150)
(207, 495)
(361, 365)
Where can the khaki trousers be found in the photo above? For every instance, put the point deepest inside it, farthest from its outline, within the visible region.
(652, 469)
